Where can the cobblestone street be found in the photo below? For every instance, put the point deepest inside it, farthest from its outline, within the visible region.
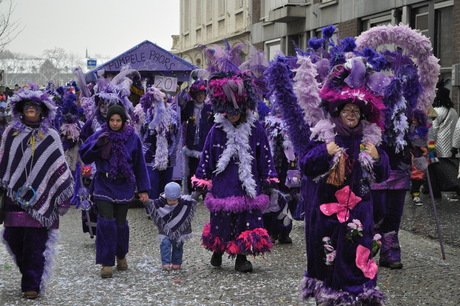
(426, 279)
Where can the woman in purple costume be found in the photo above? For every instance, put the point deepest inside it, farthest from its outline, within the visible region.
(117, 151)
(235, 166)
(38, 185)
(339, 223)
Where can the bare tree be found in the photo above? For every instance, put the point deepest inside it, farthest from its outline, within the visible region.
(9, 29)
(62, 60)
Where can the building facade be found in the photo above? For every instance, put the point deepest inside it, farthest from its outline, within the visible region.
(282, 25)
(210, 22)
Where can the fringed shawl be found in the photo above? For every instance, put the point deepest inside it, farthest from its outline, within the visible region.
(47, 171)
(174, 221)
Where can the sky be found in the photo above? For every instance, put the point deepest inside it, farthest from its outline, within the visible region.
(105, 28)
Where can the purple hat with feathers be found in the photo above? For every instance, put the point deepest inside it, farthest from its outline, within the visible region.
(152, 96)
(219, 60)
(233, 93)
(257, 64)
(198, 81)
(32, 94)
(106, 92)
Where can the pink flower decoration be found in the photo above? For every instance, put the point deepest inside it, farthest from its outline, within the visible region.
(347, 200)
(368, 266)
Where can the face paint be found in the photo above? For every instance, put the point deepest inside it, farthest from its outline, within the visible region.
(103, 108)
(36, 107)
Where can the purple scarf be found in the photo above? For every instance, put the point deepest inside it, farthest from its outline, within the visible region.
(115, 151)
(342, 129)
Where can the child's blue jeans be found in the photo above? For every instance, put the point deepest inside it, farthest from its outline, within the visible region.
(171, 252)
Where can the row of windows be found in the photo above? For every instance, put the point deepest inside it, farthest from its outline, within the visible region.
(205, 9)
(434, 19)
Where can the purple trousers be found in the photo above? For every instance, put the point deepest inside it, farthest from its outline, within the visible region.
(28, 245)
(388, 210)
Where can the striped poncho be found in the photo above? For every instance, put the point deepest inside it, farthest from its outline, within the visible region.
(173, 221)
(46, 171)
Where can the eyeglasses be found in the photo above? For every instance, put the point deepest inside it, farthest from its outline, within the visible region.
(347, 112)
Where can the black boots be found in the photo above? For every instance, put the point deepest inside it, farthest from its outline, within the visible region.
(216, 259)
(242, 264)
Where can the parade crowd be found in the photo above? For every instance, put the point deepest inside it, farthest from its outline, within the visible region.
(335, 136)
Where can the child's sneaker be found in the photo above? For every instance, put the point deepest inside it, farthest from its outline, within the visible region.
(166, 267)
(175, 267)
(417, 201)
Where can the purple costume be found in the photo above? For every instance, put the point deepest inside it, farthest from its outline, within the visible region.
(195, 129)
(332, 248)
(117, 178)
(237, 161)
(389, 197)
(283, 200)
(32, 159)
(160, 137)
(117, 190)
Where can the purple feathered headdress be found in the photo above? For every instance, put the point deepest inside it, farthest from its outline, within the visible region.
(355, 82)
(33, 94)
(233, 93)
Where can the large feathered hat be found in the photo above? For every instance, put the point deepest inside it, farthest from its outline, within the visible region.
(230, 90)
(388, 85)
(232, 93)
(34, 95)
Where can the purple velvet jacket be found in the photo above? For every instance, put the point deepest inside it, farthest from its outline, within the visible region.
(227, 184)
(118, 190)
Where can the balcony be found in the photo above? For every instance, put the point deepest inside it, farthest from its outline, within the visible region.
(287, 13)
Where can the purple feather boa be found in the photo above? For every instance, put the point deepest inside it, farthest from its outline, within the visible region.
(306, 89)
(278, 77)
(236, 204)
(118, 159)
(325, 295)
(417, 45)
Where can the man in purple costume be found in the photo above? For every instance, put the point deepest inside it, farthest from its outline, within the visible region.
(389, 197)
(38, 185)
(197, 119)
(160, 137)
(236, 165)
(283, 200)
(117, 151)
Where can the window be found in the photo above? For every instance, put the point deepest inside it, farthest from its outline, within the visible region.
(263, 10)
(209, 32)
(198, 12)
(444, 19)
(239, 4)
(221, 7)
(376, 21)
(221, 26)
(186, 16)
(435, 21)
(209, 8)
(272, 48)
(239, 21)
(293, 42)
